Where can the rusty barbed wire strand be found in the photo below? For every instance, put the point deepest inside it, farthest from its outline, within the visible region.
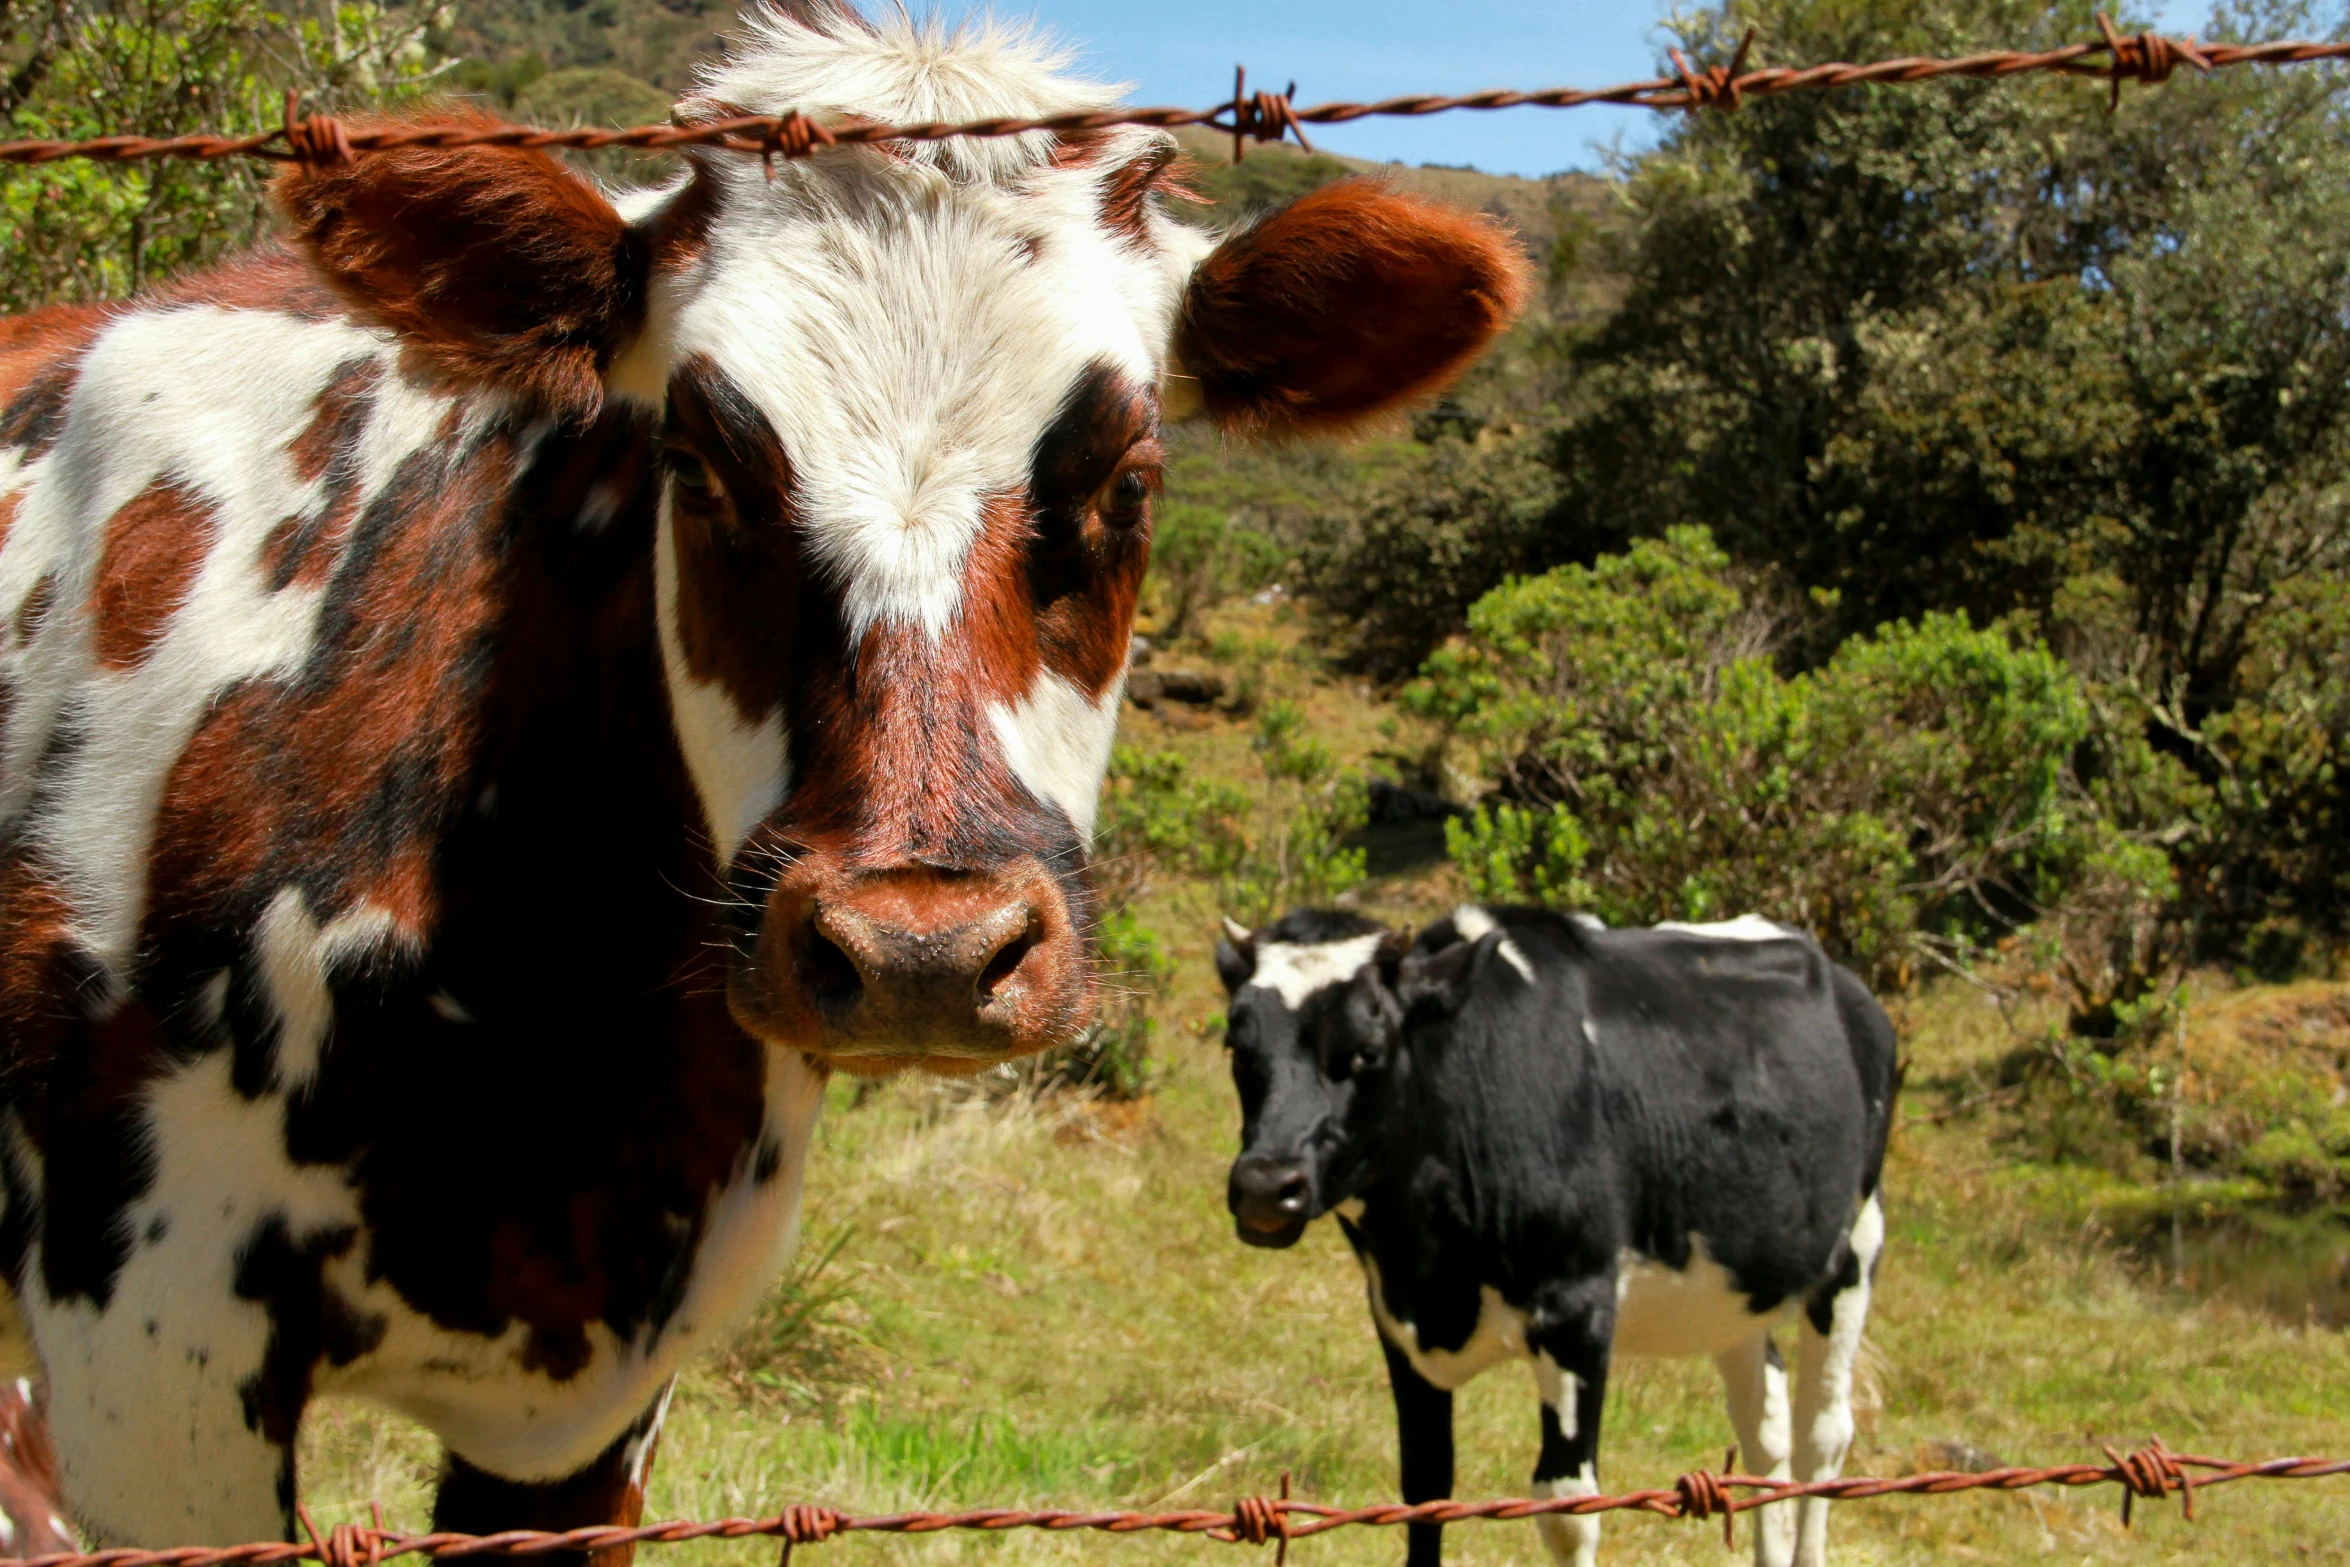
(2152, 1473)
(2151, 58)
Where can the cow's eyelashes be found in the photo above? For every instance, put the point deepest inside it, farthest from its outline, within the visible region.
(690, 473)
(1125, 501)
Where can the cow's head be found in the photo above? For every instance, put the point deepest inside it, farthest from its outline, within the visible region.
(1315, 1032)
(910, 398)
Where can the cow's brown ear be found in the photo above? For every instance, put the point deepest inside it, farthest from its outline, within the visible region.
(495, 267)
(1342, 306)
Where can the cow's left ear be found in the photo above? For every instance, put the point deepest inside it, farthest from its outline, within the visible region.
(1342, 306)
(495, 267)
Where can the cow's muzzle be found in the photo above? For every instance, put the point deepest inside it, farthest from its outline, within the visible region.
(950, 971)
(1270, 1199)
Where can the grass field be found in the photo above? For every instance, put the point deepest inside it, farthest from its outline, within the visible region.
(1042, 1302)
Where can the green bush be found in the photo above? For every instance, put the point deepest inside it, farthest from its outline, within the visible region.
(80, 68)
(1647, 761)
(1114, 1057)
(1201, 556)
(1397, 559)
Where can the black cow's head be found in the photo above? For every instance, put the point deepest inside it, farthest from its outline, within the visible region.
(1315, 1028)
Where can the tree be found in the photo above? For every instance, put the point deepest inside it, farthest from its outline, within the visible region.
(78, 68)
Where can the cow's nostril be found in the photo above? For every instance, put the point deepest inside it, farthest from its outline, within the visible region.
(1293, 1191)
(831, 975)
(1006, 961)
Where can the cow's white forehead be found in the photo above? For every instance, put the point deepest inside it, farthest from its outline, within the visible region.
(1294, 971)
(910, 327)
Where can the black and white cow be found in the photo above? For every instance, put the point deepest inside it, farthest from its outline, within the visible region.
(1554, 1142)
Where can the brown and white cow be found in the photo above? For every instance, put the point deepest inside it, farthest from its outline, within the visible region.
(502, 692)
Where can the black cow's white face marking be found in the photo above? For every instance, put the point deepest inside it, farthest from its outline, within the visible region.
(1312, 1035)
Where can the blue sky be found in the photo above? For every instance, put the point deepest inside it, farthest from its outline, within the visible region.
(1364, 49)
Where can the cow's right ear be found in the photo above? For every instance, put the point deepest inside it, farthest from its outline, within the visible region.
(495, 267)
(1236, 955)
(1435, 980)
(1343, 306)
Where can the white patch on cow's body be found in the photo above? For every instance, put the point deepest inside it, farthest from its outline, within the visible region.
(1697, 1310)
(1057, 743)
(1500, 1335)
(210, 400)
(1475, 924)
(1571, 1537)
(740, 766)
(147, 1396)
(1746, 927)
(1295, 970)
(298, 958)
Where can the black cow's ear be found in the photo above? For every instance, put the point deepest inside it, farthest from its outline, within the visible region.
(1435, 981)
(1236, 955)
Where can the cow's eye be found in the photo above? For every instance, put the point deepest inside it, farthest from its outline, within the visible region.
(1125, 503)
(690, 472)
(1364, 1061)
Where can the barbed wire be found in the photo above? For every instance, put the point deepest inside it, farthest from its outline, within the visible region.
(2149, 57)
(2152, 1473)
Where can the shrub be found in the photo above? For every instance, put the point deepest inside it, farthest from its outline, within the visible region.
(1646, 760)
(1114, 1057)
(1305, 812)
(1201, 556)
(1397, 560)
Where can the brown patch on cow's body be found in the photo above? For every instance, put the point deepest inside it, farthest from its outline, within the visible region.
(303, 549)
(354, 762)
(272, 280)
(1343, 305)
(496, 266)
(40, 361)
(334, 429)
(8, 505)
(153, 548)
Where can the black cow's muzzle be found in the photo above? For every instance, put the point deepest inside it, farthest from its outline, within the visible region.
(1270, 1199)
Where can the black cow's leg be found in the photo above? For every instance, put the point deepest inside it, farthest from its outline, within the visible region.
(1423, 1429)
(609, 1489)
(1570, 1374)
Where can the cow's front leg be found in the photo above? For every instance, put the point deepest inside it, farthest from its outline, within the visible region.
(1423, 1431)
(608, 1489)
(1570, 1376)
